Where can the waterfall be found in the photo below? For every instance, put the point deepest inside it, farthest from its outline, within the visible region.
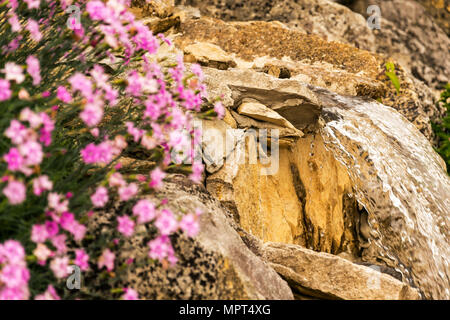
(399, 179)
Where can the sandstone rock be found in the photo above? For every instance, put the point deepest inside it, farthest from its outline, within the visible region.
(440, 11)
(158, 8)
(413, 38)
(214, 265)
(229, 120)
(208, 54)
(290, 98)
(259, 111)
(218, 141)
(328, 276)
(305, 201)
(406, 28)
(336, 66)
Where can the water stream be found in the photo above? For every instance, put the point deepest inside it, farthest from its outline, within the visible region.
(400, 181)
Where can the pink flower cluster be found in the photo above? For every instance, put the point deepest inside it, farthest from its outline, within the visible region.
(27, 152)
(166, 99)
(14, 274)
(55, 231)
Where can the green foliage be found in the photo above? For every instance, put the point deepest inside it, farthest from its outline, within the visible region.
(442, 129)
(390, 73)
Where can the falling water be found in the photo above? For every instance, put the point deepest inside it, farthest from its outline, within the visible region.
(400, 181)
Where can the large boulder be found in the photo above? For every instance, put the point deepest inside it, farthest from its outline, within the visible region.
(214, 265)
(326, 276)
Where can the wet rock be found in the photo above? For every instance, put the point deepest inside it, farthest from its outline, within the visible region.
(326, 276)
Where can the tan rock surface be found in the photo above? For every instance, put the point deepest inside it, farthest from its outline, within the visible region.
(328, 276)
(208, 54)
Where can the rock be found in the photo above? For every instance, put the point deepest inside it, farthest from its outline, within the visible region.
(440, 11)
(304, 200)
(327, 276)
(336, 66)
(229, 120)
(162, 25)
(158, 8)
(214, 265)
(290, 98)
(413, 38)
(209, 55)
(421, 59)
(405, 30)
(259, 111)
(218, 141)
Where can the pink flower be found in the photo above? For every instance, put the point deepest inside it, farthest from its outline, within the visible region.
(128, 192)
(130, 294)
(157, 176)
(125, 226)
(32, 151)
(219, 109)
(103, 153)
(27, 115)
(59, 242)
(161, 248)
(116, 180)
(39, 233)
(5, 91)
(144, 38)
(100, 197)
(33, 27)
(69, 223)
(134, 83)
(41, 184)
(144, 210)
(82, 259)
(17, 132)
(63, 95)
(166, 222)
(54, 202)
(33, 4)
(17, 293)
(13, 72)
(12, 252)
(197, 70)
(52, 228)
(135, 132)
(15, 191)
(189, 224)
(49, 294)
(14, 275)
(158, 247)
(60, 267)
(92, 113)
(106, 260)
(42, 253)
(148, 142)
(33, 69)
(14, 159)
(96, 10)
(197, 170)
(15, 24)
(81, 83)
